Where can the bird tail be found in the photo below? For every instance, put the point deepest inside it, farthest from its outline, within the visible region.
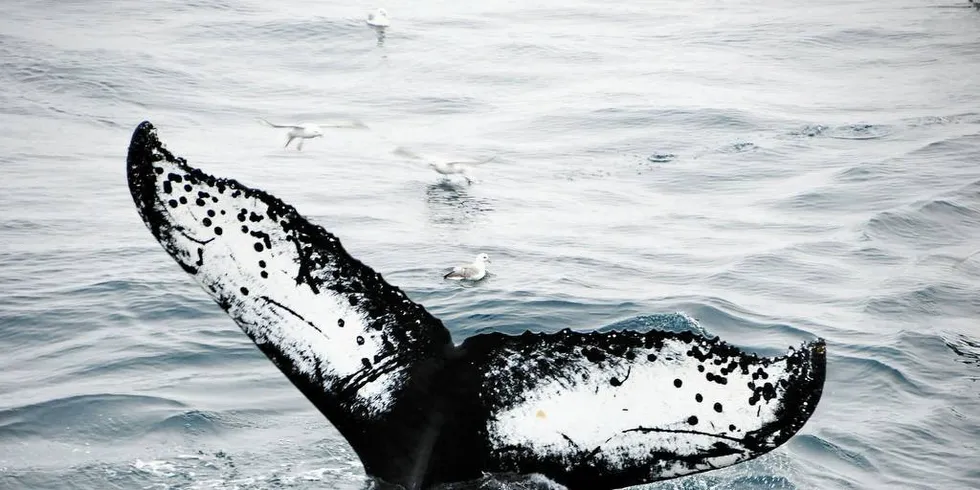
(488, 160)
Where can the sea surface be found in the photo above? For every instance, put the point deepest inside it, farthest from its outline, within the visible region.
(778, 171)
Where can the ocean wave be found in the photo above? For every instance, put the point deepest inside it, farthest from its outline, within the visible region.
(945, 299)
(95, 417)
(285, 32)
(942, 220)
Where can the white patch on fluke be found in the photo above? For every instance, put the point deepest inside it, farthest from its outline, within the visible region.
(643, 411)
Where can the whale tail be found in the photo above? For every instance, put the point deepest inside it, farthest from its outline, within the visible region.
(587, 410)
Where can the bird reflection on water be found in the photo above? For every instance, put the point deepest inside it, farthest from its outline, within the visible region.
(450, 203)
(380, 31)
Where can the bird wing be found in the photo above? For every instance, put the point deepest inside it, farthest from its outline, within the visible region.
(292, 126)
(462, 271)
(589, 410)
(405, 152)
(471, 162)
(351, 124)
(615, 409)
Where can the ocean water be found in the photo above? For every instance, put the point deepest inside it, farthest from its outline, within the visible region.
(778, 171)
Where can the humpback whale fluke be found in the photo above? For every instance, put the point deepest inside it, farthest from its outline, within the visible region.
(588, 410)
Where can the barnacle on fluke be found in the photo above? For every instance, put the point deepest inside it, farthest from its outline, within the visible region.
(588, 410)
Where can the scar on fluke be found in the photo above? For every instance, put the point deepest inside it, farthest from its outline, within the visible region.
(589, 410)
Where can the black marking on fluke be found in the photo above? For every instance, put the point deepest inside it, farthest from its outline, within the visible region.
(588, 410)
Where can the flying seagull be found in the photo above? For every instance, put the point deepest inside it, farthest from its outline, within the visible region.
(304, 131)
(447, 168)
(589, 410)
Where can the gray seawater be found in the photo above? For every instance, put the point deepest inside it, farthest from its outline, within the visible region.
(777, 170)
